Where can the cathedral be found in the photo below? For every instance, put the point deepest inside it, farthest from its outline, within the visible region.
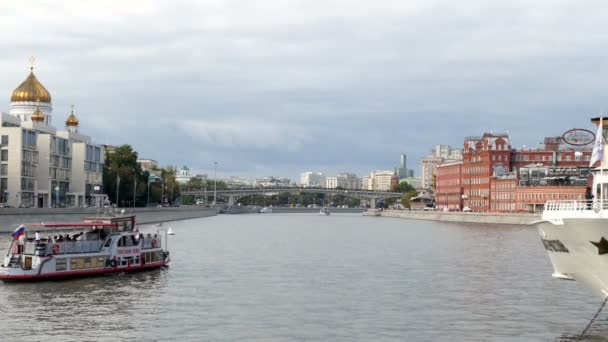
(42, 166)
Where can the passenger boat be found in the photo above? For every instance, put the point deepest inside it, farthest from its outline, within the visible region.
(266, 210)
(97, 245)
(575, 232)
(324, 212)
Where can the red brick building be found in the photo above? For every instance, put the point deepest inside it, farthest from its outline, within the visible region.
(449, 186)
(533, 198)
(502, 194)
(481, 157)
(494, 177)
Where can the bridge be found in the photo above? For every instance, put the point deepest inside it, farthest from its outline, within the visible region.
(233, 195)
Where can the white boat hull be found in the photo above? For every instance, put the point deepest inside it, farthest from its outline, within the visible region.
(578, 250)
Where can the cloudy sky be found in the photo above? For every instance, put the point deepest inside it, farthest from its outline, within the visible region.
(278, 87)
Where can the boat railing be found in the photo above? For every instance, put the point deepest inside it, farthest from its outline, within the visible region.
(152, 242)
(62, 247)
(575, 206)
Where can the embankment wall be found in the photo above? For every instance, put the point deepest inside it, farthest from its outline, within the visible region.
(12, 217)
(485, 218)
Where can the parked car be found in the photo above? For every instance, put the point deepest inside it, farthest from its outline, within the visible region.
(466, 209)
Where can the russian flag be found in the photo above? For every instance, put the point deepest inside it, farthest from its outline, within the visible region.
(18, 232)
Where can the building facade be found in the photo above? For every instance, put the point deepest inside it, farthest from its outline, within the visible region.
(448, 193)
(497, 178)
(312, 179)
(147, 164)
(183, 176)
(41, 166)
(439, 154)
(379, 180)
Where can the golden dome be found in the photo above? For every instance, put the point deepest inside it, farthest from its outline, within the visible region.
(72, 119)
(31, 90)
(37, 116)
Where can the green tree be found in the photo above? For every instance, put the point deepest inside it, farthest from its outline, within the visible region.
(122, 163)
(405, 200)
(405, 187)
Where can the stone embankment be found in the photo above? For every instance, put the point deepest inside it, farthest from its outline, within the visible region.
(12, 217)
(286, 210)
(485, 218)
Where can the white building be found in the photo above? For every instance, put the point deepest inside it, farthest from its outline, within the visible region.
(379, 180)
(310, 179)
(40, 166)
(147, 164)
(331, 182)
(183, 176)
(343, 181)
(439, 154)
(429, 169)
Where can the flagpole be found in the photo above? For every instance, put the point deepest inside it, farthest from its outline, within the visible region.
(602, 165)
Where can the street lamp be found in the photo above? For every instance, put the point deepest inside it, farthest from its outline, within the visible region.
(214, 181)
(149, 181)
(134, 186)
(57, 196)
(117, 186)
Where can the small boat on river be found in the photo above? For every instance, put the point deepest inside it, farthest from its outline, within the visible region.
(97, 246)
(324, 212)
(266, 210)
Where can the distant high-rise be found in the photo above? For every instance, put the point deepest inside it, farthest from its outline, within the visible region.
(402, 170)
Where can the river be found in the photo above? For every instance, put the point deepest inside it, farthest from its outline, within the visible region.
(305, 277)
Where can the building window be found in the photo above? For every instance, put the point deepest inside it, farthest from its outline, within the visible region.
(4, 140)
(4, 155)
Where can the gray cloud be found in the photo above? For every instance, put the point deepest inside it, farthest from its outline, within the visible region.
(271, 87)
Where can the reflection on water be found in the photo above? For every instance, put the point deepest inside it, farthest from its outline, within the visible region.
(284, 277)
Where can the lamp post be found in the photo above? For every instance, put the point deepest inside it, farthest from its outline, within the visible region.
(214, 182)
(149, 180)
(134, 186)
(57, 196)
(117, 186)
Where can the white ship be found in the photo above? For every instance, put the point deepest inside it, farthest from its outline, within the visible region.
(575, 233)
(95, 246)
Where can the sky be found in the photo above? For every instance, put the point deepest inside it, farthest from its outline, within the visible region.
(282, 87)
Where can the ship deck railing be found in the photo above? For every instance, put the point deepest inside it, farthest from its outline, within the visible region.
(62, 247)
(576, 206)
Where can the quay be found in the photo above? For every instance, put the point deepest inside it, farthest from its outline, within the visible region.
(12, 217)
(461, 217)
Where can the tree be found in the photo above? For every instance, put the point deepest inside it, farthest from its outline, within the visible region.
(122, 163)
(405, 200)
(405, 187)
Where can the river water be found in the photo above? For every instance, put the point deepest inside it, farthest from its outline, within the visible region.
(304, 277)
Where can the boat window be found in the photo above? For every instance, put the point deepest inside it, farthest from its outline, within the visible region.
(108, 242)
(60, 264)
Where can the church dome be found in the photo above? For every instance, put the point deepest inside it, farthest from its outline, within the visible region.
(31, 90)
(37, 116)
(72, 120)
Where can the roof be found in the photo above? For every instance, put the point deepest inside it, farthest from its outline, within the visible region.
(69, 224)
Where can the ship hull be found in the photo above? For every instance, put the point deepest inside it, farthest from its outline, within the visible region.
(578, 250)
(17, 275)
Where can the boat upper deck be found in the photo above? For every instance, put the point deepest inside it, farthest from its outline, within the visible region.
(555, 210)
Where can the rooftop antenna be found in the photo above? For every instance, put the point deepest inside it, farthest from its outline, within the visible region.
(32, 60)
